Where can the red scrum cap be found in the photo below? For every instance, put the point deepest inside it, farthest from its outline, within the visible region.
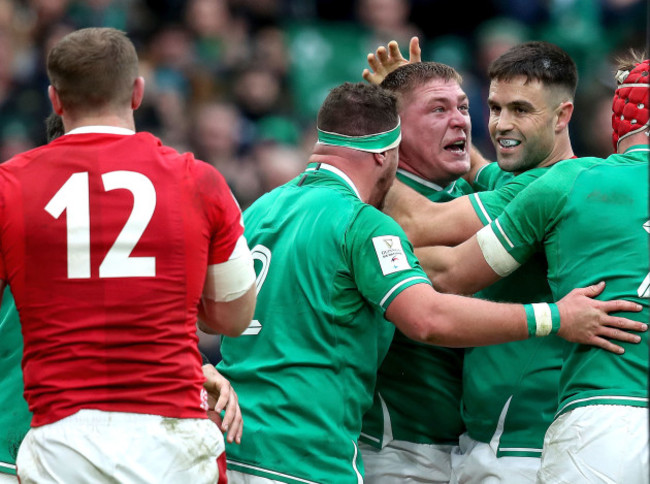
(630, 106)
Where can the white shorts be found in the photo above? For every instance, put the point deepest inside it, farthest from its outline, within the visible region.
(236, 477)
(129, 448)
(598, 443)
(8, 478)
(406, 462)
(477, 463)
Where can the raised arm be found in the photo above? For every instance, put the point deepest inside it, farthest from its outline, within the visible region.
(384, 61)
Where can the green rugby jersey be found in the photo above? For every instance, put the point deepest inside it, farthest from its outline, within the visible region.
(510, 390)
(417, 398)
(328, 266)
(491, 177)
(590, 216)
(15, 418)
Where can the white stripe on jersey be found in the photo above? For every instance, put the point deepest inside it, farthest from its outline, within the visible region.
(400, 284)
(482, 207)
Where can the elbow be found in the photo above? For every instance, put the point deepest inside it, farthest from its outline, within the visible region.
(443, 283)
(229, 318)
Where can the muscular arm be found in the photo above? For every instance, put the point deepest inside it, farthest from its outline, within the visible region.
(229, 318)
(457, 270)
(428, 223)
(425, 315)
(229, 294)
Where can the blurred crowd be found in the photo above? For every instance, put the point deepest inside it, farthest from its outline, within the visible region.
(239, 82)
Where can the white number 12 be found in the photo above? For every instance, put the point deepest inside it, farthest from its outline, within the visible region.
(73, 198)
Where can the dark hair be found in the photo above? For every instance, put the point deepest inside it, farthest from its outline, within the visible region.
(409, 76)
(537, 61)
(92, 68)
(358, 109)
(54, 127)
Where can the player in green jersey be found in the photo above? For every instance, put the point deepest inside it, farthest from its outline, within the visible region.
(14, 414)
(590, 217)
(533, 85)
(333, 274)
(401, 438)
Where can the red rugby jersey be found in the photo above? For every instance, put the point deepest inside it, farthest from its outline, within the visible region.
(105, 240)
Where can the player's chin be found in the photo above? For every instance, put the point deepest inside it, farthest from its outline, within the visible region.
(458, 166)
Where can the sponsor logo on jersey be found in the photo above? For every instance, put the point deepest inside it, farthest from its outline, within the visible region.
(390, 254)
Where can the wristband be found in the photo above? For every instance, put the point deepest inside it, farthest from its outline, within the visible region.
(542, 319)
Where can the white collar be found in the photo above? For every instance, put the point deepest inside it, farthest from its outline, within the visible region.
(424, 182)
(336, 171)
(101, 129)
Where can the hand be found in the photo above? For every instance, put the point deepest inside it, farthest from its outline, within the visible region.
(384, 62)
(221, 396)
(586, 320)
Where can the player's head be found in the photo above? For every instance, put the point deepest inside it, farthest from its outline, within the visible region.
(358, 109)
(531, 102)
(363, 117)
(630, 110)
(436, 125)
(93, 69)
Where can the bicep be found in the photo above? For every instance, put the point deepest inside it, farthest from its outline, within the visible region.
(449, 223)
(459, 270)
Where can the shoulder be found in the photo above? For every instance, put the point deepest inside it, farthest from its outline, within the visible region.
(370, 221)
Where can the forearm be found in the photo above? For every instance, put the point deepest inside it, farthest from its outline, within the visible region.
(466, 322)
(430, 317)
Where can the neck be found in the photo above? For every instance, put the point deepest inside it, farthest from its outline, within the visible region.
(636, 139)
(561, 151)
(355, 164)
(71, 122)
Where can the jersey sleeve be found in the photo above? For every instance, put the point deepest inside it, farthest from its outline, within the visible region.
(381, 258)
(223, 213)
(521, 229)
(489, 204)
(490, 177)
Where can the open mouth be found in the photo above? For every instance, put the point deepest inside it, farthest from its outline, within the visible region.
(509, 143)
(456, 146)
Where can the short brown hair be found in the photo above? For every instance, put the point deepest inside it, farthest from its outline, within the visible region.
(357, 109)
(92, 68)
(409, 76)
(537, 61)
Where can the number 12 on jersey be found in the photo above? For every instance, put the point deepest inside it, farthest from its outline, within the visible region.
(74, 199)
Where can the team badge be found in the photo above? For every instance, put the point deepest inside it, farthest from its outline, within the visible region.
(390, 254)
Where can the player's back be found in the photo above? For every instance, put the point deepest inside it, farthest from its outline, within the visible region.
(105, 239)
(602, 234)
(313, 350)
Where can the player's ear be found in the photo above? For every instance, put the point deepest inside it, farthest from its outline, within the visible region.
(57, 107)
(380, 158)
(563, 112)
(138, 93)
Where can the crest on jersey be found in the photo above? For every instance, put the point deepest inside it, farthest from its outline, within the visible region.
(390, 254)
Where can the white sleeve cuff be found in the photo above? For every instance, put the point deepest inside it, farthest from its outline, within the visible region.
(495, 254)
(231, 279)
